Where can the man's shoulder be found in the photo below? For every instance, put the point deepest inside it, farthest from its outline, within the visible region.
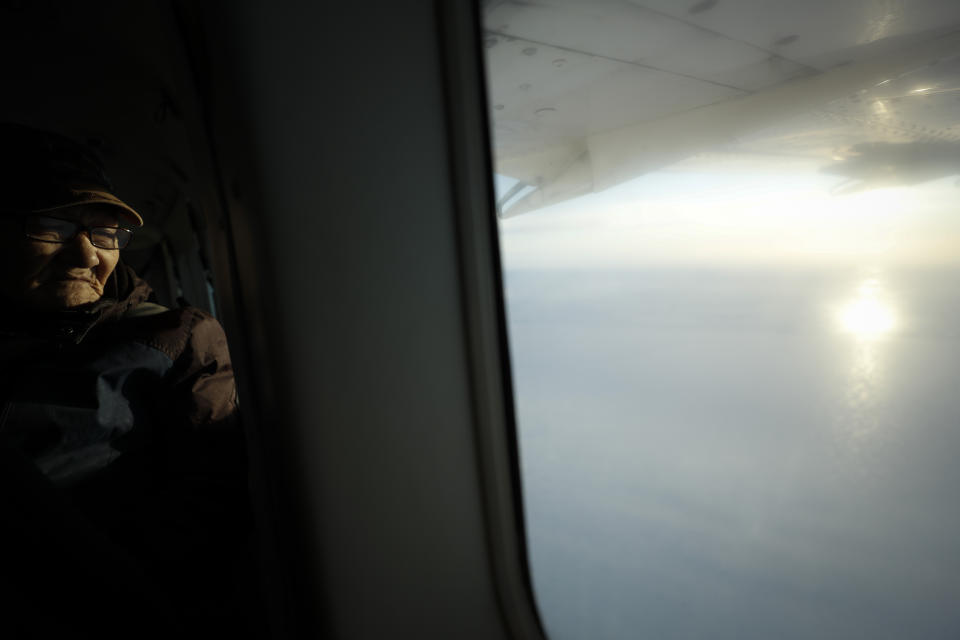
(173, 331)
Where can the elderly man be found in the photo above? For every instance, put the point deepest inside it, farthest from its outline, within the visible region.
(122, 477)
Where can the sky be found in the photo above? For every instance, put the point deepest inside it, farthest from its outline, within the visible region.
(736, 407)
(736, 216)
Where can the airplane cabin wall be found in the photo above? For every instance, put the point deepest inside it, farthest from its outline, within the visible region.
(332, 132)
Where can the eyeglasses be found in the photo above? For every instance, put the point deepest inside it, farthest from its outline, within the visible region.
(49, 229)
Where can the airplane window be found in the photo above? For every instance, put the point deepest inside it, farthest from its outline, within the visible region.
(731, 254)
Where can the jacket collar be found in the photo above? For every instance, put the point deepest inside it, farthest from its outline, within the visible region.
(124, 290)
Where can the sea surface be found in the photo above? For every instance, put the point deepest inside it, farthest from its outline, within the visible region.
(740, 453)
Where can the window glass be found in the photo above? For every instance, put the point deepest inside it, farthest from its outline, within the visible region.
(731, 252)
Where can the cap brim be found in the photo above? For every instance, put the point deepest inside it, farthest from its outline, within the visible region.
(97, 196)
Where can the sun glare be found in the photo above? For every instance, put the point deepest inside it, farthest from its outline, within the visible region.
(868, 317)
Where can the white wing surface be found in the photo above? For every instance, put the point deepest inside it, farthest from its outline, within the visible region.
(586, 95)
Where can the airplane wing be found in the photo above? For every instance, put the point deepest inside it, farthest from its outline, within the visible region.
(586, 95)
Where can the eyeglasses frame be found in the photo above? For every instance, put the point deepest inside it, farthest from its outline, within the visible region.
(25, 215)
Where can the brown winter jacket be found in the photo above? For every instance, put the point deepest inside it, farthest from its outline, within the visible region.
(122, 474)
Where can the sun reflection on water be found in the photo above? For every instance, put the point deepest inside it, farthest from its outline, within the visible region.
(871, 319)
(868, 317)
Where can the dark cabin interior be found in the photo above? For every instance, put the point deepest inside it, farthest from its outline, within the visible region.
(318, 178)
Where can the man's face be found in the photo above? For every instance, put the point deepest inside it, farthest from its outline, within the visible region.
(47, 276)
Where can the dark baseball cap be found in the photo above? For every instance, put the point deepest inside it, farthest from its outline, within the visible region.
(42, 171)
